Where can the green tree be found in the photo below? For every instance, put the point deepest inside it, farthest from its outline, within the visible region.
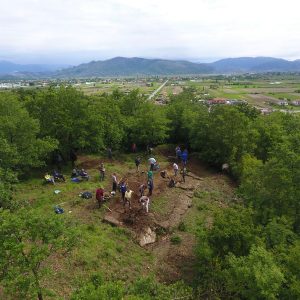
(229, 136)
(150, 126)
(7, 180)
(233, 231)
(63, 114)
(255, 276)
(19, 136)
(27, 240)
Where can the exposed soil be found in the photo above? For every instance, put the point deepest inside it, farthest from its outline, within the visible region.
(171, 262)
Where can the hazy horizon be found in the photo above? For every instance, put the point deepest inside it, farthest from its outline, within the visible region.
(74, 32)
(204, 60)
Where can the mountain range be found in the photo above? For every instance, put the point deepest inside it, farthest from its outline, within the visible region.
(121, 66)
(7, 67)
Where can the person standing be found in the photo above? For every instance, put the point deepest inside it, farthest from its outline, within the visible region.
(123, 189)
(150, 175)
(133, 148)
(184, 157)
(178, 152)
(150, 187)
(59, 160)
(100, 196)
(137, 163)
(184, 173)
(73, 157)
(149, 149)
(175, 168)
(102, 171)
(114, 182)
(142, 189)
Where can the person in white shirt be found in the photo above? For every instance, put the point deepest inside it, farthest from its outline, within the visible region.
(175, 168)
(152, 162)
(144, 200)
(128, 195)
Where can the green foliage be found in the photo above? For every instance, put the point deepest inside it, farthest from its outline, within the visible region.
(175, 239)
(272, 188)
(63, 114)
(27, 240)
(7, 180)
(233, 231)
(182, 226)
(21, 148)
(229, 136)
(255, 276)
(279, 233)
(142, 289)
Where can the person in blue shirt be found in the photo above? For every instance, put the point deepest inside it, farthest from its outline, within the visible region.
(123, 189)
(184, 157)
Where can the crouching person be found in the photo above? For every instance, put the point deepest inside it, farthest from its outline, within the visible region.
(84, 175)
(58, 176)
(144, 201)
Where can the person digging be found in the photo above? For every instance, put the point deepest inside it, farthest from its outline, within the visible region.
(128, 195)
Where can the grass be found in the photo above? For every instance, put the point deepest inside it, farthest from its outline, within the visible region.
(176, 240)
(104, 249)
(160, 205)
(215, 196)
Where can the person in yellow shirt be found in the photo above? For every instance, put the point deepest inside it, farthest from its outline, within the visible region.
(49, 178)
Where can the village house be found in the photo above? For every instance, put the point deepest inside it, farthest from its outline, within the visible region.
(216, 101)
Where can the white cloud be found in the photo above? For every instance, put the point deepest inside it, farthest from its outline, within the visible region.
(73, 30)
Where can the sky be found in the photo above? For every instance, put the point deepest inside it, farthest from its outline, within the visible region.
(77, 31)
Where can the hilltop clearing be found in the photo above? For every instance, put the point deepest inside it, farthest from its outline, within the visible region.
(116, 251)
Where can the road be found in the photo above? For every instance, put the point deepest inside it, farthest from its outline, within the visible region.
(157, 90)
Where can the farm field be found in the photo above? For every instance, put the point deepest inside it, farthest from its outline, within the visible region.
(258, 90)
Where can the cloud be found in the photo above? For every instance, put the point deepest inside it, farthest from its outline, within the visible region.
(73, 30)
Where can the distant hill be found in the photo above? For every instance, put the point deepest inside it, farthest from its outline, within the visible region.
(255, 65)
(7, 67)
(121, 66)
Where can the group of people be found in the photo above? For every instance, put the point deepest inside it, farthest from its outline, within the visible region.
(126, 192)
(123, 188)
(56, 176)
(183, 156)
(79, 174)
(76, 176)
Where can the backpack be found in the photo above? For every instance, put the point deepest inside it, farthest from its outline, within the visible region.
(86, 195)
(58, 210)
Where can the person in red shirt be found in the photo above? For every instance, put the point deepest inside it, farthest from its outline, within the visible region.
(100, 196)
(133, 148)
